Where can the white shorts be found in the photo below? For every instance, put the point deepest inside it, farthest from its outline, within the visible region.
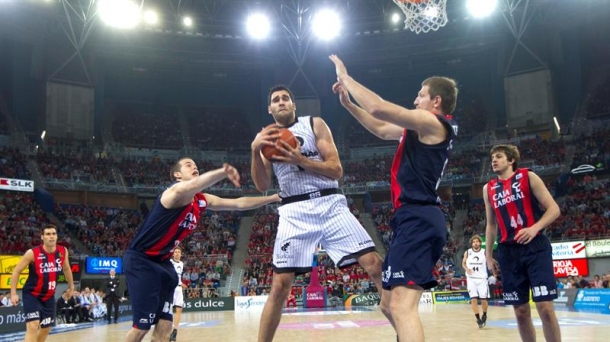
(179, 296)
(478, 288)
(326, 220)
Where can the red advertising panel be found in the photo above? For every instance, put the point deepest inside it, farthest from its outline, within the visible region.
(571, 267)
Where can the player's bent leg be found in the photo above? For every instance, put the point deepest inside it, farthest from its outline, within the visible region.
(135, 335)
(272, 312)
(372, 264)
(404, 303)
(550, 325)
(31, 331)
(42, 334)
(523, 313)
(162, 330)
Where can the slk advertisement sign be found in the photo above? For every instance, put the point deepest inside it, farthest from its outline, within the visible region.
(17, 184)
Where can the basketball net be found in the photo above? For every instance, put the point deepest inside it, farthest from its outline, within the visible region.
(423, 15)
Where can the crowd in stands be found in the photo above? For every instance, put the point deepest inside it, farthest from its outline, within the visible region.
(598, 102)
(585, 211)
(543, 152)
(21, 219)
(147, 125)
(223, 129)
(103, 231)
(83, 167)
(13, 164)
(593, 149)
(208, 253)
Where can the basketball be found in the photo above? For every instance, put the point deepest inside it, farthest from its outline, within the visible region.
(285, 135)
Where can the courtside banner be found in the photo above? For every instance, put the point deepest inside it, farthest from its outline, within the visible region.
(5, 281)
(450, 297)
(8, 263)
(570, 267)
(566, 296)
(208, 304)
(12, 319)
(17, 184)
(598, 248)
(250, 303)
(426, 298)
(569, 250)
(369, 299)
(593, 299)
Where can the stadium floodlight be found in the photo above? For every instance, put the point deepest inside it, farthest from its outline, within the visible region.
(258, 26)
(187, 21)
(395, 18)
(119, 13)
(151, 17)
(481, 8)
(326, 24)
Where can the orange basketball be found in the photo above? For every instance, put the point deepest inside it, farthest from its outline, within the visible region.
(285, 135)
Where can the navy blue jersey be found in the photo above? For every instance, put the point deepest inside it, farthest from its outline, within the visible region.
(163, 229)
(417, 168)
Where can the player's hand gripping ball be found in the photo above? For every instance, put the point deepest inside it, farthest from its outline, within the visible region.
(285, 135)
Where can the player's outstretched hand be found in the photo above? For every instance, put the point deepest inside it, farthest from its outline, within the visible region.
(338, 88)
(232, 174)
(340, 68)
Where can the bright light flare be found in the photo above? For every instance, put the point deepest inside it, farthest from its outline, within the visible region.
(395, 18)
(187, 21)
(151, 17)
(123, 14)
(326, 24)
(481, 8)
(258, 26)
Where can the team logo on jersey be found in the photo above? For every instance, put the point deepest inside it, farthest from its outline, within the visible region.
(202, 204)
(284, 247)
(518, 176)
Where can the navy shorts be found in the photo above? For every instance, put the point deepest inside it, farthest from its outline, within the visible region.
(151, 287)
(420, 233)
(527, 267)
(38, 310)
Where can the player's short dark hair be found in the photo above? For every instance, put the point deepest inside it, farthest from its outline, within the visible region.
(47, 226)
(279, 87)
(511, 152)
(178, 247)
(444, 87)
(176, 168)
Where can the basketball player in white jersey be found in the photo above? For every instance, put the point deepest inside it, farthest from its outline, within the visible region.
(178, 292)
(475, 264)
(313, 209)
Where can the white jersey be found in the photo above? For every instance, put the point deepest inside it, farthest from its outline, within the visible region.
(293, 180)
(179, 267)
(477, 263)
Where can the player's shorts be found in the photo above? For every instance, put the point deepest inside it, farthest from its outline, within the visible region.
(526, 267)
(151, 286)
(420, 233)
(305, 224)
(478, 288)
(179, 296)
(38, 310)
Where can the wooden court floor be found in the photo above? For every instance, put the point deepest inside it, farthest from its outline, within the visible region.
(453, 322)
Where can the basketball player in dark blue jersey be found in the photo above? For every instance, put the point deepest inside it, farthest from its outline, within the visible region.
(524, 253)
(425, 137)
(151, 278)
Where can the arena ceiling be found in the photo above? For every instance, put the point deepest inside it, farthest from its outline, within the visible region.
(73, 42)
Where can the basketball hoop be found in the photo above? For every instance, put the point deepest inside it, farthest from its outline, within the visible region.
(423, 15)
